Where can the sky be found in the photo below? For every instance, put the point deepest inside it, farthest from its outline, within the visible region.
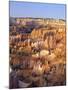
(37, 10)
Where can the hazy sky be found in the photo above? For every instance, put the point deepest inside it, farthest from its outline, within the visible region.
(37, 10)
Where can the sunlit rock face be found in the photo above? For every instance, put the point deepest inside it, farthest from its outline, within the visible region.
(44, 52)
(51, 57)
(38, 69)
(35, 55)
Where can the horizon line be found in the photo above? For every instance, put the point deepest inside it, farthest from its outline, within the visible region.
(38, 17)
